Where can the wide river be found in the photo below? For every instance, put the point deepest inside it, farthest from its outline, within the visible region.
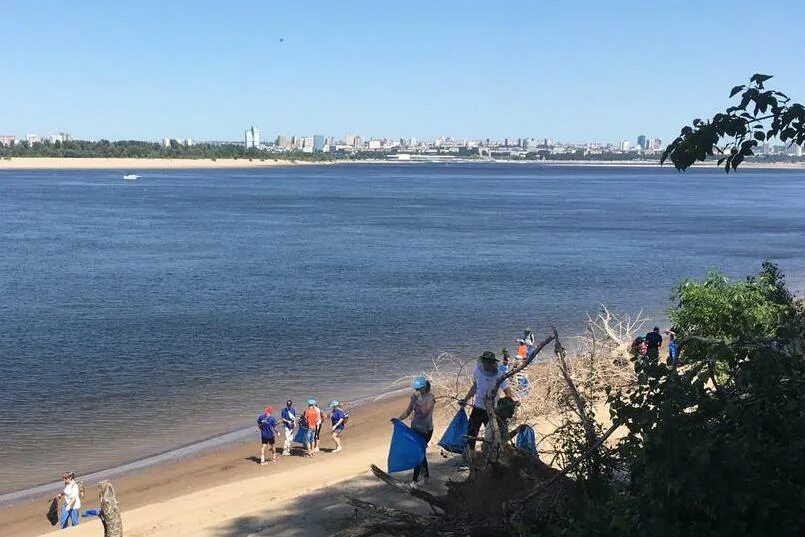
(137, 317)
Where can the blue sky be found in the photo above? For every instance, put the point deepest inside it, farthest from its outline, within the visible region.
(571, 70)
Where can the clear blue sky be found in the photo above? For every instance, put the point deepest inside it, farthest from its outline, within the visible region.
(575, 71)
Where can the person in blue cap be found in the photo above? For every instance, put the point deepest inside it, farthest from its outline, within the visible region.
(338, 418)
(421, 404)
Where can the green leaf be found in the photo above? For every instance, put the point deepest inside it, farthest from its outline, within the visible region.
(757, 77)
(736, 90)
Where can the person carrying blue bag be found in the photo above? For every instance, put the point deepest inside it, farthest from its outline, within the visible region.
(407, 448)
(421, 404)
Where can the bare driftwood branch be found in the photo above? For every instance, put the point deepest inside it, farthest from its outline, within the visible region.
(426, 497)
(581, 409)
(110, 512)
(375, 527)
(389, 512)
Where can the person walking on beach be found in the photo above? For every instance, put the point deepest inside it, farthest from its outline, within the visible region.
(422, 403)
(338, 418)
(71, 500)
(288, 415)
(654, 342)
(268, 434)
(312, 416)
(484, 378)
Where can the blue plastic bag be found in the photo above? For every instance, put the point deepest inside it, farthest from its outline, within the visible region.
(300, 436)
(407, 449)
(526, 440)
(454, 438)
(523, 386)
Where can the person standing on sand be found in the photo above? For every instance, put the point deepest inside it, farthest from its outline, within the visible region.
(313, 419)
(268, 434)
(421, 404)
(484, 378)
(288, 423)
(654, 342)
(338, 418)
(318, 430)
(71, 500)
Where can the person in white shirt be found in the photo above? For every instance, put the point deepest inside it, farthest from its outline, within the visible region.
(71, 500)
(484, 379)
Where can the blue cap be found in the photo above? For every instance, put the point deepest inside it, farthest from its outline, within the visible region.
(311, 401)
(334, 403)
(420, 382)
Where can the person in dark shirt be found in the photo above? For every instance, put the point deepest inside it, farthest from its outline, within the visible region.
(654, 342)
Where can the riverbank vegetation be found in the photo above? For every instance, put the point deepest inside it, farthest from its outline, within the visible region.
(712, 446)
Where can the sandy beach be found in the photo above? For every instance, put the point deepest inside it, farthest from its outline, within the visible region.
(134, 164)
(226, 491)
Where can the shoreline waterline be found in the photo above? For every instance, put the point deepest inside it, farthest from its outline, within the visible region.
(171, 456)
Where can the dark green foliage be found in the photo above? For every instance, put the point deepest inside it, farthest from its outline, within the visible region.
(138, 149)
(710, 451)
(760, 115)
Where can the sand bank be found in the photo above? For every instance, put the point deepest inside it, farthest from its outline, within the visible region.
(134, 164)
(223, 491)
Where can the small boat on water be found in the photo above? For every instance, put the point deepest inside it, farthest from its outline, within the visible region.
(131, 177)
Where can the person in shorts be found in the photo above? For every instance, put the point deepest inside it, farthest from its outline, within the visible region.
(338, 419)
(313, 419)
(267, 425)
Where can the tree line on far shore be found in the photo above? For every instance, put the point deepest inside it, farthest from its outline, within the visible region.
(140, 149)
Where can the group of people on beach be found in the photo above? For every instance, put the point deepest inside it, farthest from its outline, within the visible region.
(304, 428)
(648, 348)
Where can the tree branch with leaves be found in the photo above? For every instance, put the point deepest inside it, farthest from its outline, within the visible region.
(760, 116)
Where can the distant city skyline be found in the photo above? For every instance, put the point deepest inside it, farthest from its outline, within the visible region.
(576, 71)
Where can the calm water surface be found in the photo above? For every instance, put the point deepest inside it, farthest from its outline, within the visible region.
(137, 317)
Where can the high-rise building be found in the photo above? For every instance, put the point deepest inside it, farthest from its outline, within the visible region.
(625, 145)
(32, 139)
(7, 139)
(357, 142)
(166, 142)
(252, 138)
(641, 142)
(656, 144)
(797, 150)
(318, 143)
(60, 137)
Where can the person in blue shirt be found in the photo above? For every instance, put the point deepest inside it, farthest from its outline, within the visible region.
(268, 433)
(673, 350)
(339, 420)
(288, 425)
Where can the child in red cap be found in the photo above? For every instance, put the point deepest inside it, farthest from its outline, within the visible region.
(268, 433)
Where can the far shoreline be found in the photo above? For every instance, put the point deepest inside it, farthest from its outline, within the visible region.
(136, 164)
